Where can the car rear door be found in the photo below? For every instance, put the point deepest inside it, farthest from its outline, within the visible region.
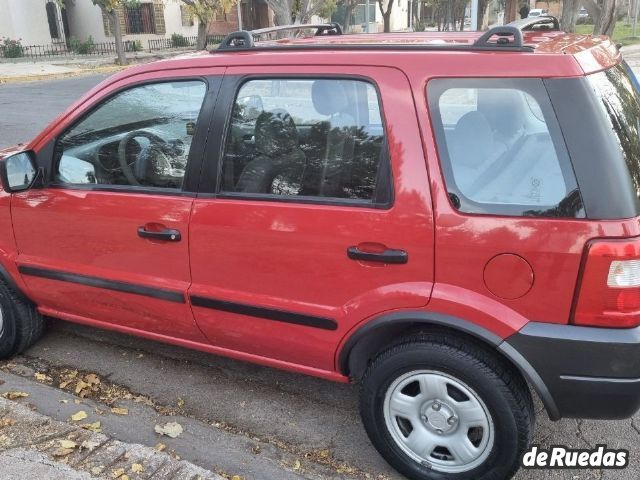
(313, 214)
(106, 241)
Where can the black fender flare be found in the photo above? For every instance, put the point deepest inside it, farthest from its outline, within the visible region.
(375, 334)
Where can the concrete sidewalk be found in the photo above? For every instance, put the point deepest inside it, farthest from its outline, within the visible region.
(35, 446)
(25, 69)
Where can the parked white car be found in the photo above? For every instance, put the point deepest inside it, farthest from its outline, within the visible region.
(536, 12)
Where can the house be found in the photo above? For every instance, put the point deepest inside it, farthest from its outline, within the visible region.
(43, 22)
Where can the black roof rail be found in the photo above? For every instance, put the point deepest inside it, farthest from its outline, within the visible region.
(321, 28)
(243, 39)
(237, 40)
(541, 23)
(503, 32)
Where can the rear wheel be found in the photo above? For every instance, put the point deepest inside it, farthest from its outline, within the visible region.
(20, 323)
(436, 407)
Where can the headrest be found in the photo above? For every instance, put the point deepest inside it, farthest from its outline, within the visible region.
(503, 109)
(275, 133)
(472, 140)
(329, 97)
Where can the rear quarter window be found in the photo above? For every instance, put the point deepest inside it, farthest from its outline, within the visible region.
(501, 149)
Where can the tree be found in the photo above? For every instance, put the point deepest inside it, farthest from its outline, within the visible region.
(386, 14)
(569, 15)
(287, 12)
(603, 13)
(205, 11)
(110, 9)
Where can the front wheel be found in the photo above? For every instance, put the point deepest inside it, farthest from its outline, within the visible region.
(439, 408)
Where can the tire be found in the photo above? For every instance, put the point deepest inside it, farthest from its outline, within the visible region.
(22, 325)
(437, 407)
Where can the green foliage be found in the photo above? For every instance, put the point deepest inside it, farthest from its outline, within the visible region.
(82, 48)
(110, 5)
(623, 33)
(178, 40)
(12, 48)
(328, 8)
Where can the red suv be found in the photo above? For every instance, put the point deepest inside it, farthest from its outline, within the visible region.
(444, 218)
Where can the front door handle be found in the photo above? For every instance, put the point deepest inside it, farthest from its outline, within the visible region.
(166, 234)
(387, 256)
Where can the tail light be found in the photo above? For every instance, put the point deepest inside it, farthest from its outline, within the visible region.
(609, 289)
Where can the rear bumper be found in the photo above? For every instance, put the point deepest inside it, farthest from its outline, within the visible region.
(580, 372)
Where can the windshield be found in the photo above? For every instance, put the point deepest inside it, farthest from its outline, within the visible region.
(617, 88)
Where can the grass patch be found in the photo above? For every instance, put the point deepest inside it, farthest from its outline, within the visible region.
(621, 34)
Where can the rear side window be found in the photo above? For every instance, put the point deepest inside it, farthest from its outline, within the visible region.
(306, 138)
(501, 148)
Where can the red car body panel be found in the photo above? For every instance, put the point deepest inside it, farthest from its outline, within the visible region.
(229, 247)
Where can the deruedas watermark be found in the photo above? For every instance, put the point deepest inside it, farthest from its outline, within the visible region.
(558, 456)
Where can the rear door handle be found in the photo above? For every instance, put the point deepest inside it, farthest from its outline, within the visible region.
(387, 256)
(167, 234)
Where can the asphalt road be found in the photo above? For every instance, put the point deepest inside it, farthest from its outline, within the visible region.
(239, 418)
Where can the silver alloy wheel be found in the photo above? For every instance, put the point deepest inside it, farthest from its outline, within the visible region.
(1, 321)
(438, 421)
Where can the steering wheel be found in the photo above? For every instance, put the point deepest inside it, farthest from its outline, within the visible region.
(154, 152)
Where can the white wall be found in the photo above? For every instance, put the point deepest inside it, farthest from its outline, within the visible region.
(26, 20)
(86, 19)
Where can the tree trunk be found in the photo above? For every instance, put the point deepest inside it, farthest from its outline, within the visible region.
(386, 16)
(201, 43)
(569, 15)
(348, 13)
(606, 21)
(117, 33)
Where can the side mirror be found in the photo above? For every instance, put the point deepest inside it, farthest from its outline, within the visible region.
(19, 172)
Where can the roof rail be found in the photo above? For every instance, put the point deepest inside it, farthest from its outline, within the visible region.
(503, 32)
(243, 39)
(237, 40)
(321, 28)
(540, 23)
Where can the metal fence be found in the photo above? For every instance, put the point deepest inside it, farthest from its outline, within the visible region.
(75, 48)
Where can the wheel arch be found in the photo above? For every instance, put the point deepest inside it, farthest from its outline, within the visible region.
(363, 344)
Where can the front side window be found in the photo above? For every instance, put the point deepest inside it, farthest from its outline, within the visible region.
(305, 138)
(501, 148)
(141, 137)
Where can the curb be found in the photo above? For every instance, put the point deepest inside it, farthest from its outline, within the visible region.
(30, 442)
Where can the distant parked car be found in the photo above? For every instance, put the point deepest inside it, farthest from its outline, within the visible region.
(583, 13)
(536, 12)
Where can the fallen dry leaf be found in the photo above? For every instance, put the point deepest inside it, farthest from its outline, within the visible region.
(117, 473)
(62, 452)
(296, 465)
(77, 402)
(92, 379)
(180, 402)
(81, 415)
(64, 443)
(41, 377)
(160, 447)
(171, 429)
(15, 395)
(236, 477)
(97, 470)
(137, 468)
(94, 427)
(7, 422)
(120, 411)
(89, 445)
(64, 401)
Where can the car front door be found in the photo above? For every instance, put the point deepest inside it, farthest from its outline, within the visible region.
(106, 241)
(314, 212)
